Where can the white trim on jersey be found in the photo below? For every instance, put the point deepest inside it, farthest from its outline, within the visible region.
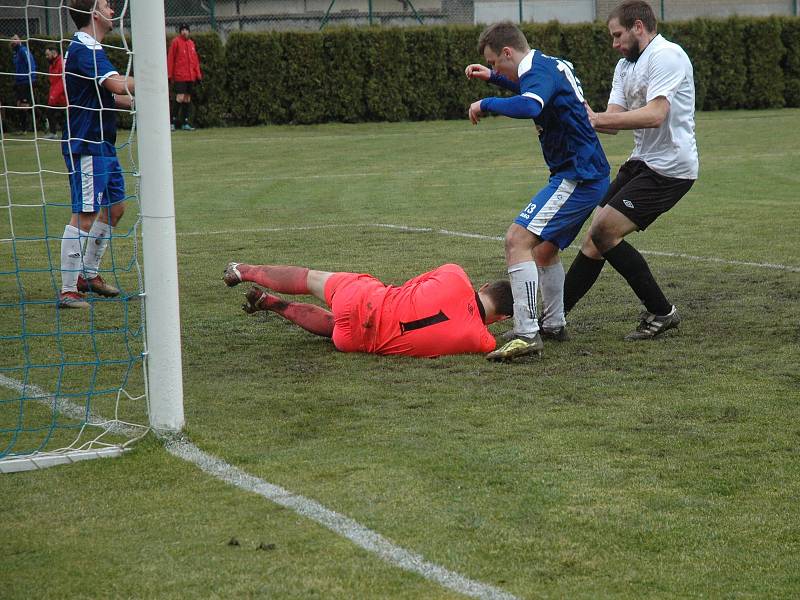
(87, 183)
(535, 97)
(526, 64)
(550, 208)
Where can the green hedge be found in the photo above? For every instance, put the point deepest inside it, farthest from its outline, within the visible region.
(376, 74)
(390, 74)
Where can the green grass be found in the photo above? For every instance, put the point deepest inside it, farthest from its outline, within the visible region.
(607, 469)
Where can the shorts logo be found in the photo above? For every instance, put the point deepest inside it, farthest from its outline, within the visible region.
(529, 210)
(100, 197)
(628, 203)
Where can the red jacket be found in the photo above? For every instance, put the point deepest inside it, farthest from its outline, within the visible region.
(183, 64)
(57, 96)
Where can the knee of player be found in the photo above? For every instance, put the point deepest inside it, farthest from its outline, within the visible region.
(601, 237)
(116, 212)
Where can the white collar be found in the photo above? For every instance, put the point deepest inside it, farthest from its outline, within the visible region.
(526, 63)
(87, 40)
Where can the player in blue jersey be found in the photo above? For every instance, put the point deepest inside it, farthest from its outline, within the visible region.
(95, 92)
(546, 91)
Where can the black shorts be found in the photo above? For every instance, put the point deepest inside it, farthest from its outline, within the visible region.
(23, 93)
(643, 195)
(183, 87)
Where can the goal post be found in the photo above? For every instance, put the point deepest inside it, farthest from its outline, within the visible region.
(162, 311)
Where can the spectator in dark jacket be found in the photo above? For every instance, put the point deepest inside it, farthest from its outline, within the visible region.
(183, 70)
(24, 78)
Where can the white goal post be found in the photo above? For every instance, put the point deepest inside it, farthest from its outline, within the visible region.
(162, 322)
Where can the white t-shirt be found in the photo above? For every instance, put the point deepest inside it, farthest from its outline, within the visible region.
(663, 69)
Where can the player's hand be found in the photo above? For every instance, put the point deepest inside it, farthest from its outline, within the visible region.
(475, 112)
(478, 72)
(592, 114)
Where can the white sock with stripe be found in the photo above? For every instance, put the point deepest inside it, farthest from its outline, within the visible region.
(551, 283)
(96, 245)
(71, 258)
(524, 278)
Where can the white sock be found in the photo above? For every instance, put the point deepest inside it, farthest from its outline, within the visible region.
(96, 245)
(524, 281)
(551, 284)
(71, 258)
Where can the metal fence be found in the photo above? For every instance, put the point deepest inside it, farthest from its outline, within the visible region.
(48, 17)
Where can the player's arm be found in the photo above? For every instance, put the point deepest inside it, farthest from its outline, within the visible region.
(649, 116)
(516, 107)
(122, 87)
(611, 108)
(484, 73)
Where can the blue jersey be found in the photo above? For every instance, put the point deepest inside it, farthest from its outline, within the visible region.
(24, 65)
(551, 95)
(91, 127)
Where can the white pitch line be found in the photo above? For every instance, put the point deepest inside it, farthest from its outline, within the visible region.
(494, 238)
(344, 526)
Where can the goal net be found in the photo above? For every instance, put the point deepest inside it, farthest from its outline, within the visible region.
(74, 367)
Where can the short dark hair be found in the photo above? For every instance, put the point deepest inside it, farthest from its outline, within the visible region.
(81, 12)
(631, 11)
(500, 293)
(499, 35)
(183, 26)
(52, 49)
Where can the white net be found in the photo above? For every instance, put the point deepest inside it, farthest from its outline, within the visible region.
(72, 382)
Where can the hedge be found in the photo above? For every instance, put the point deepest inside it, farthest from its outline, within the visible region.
(394, 74)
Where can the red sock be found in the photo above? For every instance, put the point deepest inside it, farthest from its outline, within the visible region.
(310, 317)
(283, 279)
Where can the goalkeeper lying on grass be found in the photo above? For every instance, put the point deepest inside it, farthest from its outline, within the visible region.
(433, 314)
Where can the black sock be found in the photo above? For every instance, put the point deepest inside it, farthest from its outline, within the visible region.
(187, 110)
(181, 114)
(582, 274)
(633, 267)
(175, 106)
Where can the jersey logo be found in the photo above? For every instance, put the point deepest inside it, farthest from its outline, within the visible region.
(628, 203)
(440, 317)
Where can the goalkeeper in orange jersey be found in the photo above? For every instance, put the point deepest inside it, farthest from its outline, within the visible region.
(434, 314)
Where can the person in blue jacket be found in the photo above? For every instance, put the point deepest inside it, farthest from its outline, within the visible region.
(24, 78)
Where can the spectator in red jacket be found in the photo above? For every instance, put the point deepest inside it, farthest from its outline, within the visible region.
(183, 70)
(57, 99)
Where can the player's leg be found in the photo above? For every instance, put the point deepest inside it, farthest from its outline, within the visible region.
(634, 208)
(84, 211)
(285, 279)
(520, 243)
(112, 206)
(587, 265)
(551, 286)
(310, 317)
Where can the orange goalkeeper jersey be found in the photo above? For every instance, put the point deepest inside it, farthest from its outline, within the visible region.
(433, 314)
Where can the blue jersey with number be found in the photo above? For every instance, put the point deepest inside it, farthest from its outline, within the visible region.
(551, 95)
(92, 122)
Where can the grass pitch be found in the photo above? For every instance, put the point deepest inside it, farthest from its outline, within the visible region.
(608, 469)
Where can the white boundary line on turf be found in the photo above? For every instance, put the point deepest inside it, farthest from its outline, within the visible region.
(344, 526)
(480, 236)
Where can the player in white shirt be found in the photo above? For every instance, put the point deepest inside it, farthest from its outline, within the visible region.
(653, 94)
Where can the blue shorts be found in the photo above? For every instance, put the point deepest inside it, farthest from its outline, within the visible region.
(558, 211)
(94, 181)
